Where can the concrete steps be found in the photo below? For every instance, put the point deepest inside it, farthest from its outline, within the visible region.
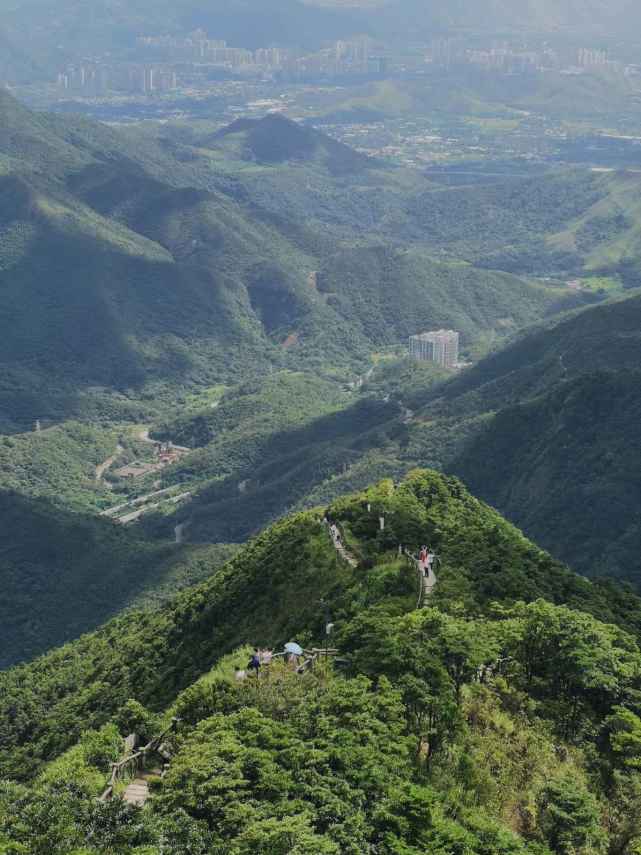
(137, 792)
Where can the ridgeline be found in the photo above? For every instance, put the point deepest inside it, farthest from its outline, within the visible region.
(502, 717)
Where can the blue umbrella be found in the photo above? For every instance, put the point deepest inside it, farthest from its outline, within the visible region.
(292, 647)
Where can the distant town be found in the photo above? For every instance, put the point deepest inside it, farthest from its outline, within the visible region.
(168, 63)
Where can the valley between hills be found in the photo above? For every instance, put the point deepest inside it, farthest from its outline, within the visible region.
(271, 585)
(245, 296)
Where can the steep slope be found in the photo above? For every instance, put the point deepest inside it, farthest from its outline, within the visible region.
(132, 276)
(564, 468)
(557, 451)
(471, 721)
(271, 592)
(560, 351)
(544, 429)
(64, 574)
(87, 302)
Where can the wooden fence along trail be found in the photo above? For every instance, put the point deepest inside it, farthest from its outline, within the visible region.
(337, 540)
(426, 581)
(132, 764)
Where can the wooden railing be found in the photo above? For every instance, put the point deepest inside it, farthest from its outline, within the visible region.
(422, 587)
(311, 657)
(419, 575)
(130, 765)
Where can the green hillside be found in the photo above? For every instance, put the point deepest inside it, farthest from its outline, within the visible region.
(563, 467)
(518, 425)
(558, 351)
(566, 224)
(64, 573)
(500, 718)
(275, 139)
(135, 279)
(138, 278)
(121, 285)
(557, 451)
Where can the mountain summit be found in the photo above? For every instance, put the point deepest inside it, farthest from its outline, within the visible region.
(276, 139)
(468, 720)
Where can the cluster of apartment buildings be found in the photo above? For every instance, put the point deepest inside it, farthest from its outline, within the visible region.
(132, 78)
(198, 47)
(165, 62)
(447, 52)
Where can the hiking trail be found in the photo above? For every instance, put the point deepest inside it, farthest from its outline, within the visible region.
(427, 581)
(339, 546)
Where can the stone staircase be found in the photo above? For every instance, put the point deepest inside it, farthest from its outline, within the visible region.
(339, 546)
(137, 792)
(427, 581)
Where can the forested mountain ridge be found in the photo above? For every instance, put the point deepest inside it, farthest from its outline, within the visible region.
(138, 274)
(558, 452)
(498, 720)
(543, 429)
(152, 275)
(276, 139)
(564, 466)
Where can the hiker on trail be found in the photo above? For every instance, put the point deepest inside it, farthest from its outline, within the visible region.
(240, 674)
(254, 662)
(429, 561)
(266, 657)
(422, 557)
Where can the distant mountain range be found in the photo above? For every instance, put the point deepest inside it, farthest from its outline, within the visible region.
(569, 16)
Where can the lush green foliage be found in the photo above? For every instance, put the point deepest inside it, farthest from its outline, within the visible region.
(497, 721)
(63, 573)
(134, 265)
(570, 454)
(58, 463)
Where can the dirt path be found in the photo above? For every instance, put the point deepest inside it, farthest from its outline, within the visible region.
(143, 436)
(108, 463)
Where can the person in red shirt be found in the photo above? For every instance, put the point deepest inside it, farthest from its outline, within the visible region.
(422, 557)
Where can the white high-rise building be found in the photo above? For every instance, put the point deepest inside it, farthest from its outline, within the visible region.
(440, 346)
